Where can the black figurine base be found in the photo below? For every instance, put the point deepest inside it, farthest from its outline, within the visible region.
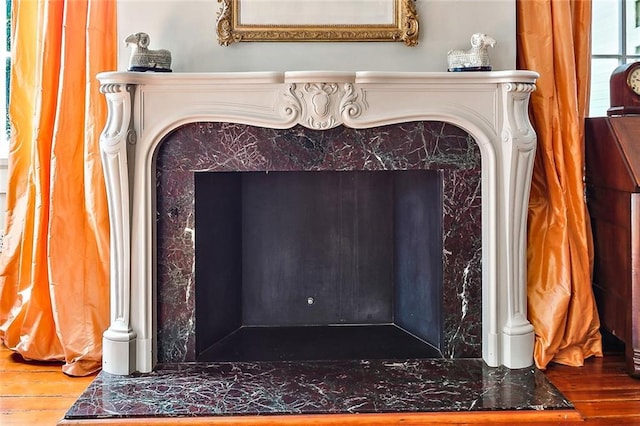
(465, 69)
(152, 69)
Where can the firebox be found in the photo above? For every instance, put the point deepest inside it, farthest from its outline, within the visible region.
(318, 265)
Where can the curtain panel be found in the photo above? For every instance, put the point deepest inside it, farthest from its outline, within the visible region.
(554, 39)
(54, 266)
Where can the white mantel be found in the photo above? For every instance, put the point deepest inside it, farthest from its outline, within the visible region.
(145, 107)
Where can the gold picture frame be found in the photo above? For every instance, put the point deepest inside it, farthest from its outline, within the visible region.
(317, 20)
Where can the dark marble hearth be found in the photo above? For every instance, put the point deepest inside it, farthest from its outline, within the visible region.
(324, 387)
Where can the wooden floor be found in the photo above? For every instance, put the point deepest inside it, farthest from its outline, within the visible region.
(39, 394)
(35, 393)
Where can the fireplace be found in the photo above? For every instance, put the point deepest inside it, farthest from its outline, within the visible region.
(145, 109)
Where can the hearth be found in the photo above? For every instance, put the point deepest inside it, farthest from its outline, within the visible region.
(145, 109)
(283, 392)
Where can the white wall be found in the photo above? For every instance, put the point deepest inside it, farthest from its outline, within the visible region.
(187, 28)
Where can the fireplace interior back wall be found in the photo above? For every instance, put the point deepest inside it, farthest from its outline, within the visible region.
(318, 265)
(440, 162)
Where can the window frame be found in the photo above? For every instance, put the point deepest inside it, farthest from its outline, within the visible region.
(5, 40)
(621, 56)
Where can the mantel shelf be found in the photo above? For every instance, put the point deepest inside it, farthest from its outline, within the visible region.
(359, 77)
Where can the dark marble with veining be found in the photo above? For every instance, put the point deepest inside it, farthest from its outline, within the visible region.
(329, 387)
(236, 147)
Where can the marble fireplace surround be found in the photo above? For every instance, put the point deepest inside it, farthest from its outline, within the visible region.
(143, 108)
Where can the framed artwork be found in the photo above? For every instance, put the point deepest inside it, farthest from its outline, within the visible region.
(317, 20)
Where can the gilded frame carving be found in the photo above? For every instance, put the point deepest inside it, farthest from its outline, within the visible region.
(403, 26)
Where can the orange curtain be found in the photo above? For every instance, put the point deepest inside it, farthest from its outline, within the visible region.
(554, 39)
(54, 288)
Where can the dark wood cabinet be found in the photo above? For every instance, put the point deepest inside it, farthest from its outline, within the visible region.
(612, 147)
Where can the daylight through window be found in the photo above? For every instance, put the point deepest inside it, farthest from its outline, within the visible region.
(615, 41)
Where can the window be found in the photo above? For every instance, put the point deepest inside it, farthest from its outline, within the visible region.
(5, 43)
(615, 41)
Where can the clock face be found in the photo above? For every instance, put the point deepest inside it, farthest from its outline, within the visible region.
(634, 81)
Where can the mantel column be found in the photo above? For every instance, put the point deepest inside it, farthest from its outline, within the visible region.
(518, 152)
(119, 340)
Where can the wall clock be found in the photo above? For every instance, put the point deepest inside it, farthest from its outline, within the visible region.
(624, 90)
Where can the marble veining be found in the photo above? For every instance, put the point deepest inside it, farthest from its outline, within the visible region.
(235, 147)
(355, 386)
